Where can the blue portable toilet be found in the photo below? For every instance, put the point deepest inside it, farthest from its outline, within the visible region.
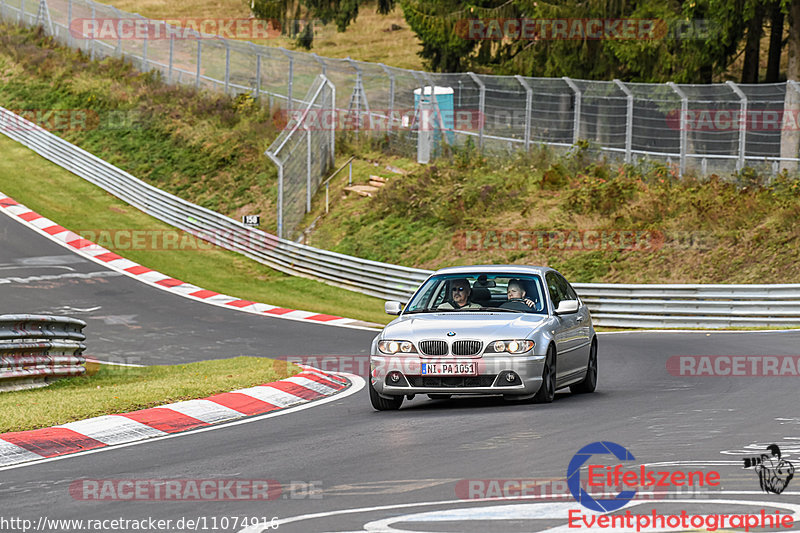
(444, 101)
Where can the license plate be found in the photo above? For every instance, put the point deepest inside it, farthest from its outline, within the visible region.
(449, 369)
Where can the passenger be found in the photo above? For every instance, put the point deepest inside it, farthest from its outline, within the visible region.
(460, 293)
(517, 297)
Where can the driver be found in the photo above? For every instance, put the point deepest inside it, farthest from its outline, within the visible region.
(460, 292)
(517, 297)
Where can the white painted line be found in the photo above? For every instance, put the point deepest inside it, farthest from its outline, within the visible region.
(358, 383)
(311, 384)
(264, 526)
(113, 429)
(12, 454)
(120, 266)
(204, 410)
(268, 394)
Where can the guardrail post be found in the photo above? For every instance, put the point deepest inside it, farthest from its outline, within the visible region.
(742, 122)
(528, 110)
(576, 123)
(683, 125)
(481, 106)
(628, 120)
(199, 61)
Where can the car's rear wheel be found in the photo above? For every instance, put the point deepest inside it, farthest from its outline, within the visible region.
(589, 382)
(382, 404)
(547, 392)
(440, 396)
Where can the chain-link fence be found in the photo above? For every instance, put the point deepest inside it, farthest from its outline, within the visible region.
(718, 128)
(303, 153)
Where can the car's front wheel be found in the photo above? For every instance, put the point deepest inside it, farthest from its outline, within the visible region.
(382, 404)
(589, 382)
(547, 392)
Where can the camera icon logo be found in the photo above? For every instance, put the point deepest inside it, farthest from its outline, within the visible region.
(774, 473)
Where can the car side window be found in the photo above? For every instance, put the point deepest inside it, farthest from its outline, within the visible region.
(566, 289)
(553, 289)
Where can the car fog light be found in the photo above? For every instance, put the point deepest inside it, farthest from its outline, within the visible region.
(510, 377)
(394, 376)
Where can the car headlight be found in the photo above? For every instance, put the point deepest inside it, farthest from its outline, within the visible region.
(512, 346)
(393, 347)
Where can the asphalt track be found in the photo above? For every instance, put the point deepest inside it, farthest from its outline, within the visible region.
(397, 471)
(134, 323)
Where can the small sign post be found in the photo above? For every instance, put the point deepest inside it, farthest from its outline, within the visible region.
(251, 220)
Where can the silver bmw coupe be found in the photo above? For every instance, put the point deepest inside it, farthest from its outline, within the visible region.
(519, 331)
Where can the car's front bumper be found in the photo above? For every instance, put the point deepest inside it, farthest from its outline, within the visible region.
(490, 378)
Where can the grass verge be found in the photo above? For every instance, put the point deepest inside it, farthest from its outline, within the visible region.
(115, 389)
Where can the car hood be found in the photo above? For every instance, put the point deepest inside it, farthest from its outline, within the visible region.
(465, 325)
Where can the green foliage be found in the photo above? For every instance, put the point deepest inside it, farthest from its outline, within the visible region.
(297, 17)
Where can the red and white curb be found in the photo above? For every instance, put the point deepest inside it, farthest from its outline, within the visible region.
(110, 430)
(103, 256)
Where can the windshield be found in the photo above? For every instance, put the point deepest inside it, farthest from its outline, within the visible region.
(512, 293)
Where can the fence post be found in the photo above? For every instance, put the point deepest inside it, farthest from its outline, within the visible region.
(22, 12)
(291, 77)
(118, 50)
(227, 65)
(258, 77)
(391, 90)
(94, 38)
(280, 192)
(576, 123)
(683, 125)
(742, 122)
(171, 57)
(144, 50)
(69, 22)
(481, 106)
(628, 120)
(528, 110)
(322, 64)
(308, 167)
(199, 62)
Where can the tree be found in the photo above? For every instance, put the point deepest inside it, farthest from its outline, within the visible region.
(296, 17)
(790, 134)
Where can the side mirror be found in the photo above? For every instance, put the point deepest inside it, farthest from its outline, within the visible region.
(393, 308)
(566, 307)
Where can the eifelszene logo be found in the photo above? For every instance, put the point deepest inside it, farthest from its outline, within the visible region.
(774, 473)
(615, 478)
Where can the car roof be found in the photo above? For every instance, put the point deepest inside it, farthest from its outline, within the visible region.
(494, 269)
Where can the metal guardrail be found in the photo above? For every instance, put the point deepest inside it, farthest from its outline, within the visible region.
(612, 305)
(35, 349)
